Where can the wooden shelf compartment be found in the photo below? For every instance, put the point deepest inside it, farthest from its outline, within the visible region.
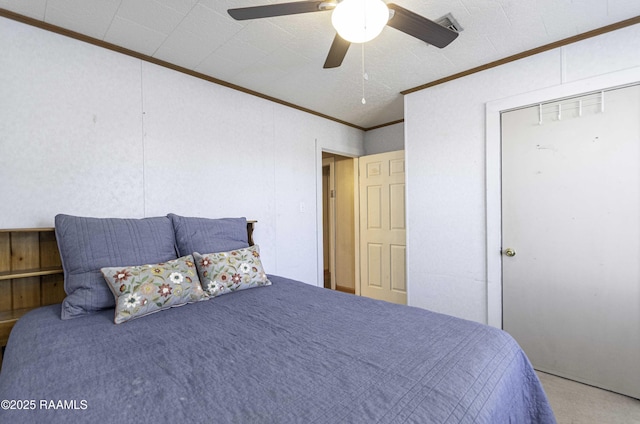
(30, 274)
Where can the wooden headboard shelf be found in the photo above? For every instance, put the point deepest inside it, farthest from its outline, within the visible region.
(30, 274)
(35, 272)
(30, 269)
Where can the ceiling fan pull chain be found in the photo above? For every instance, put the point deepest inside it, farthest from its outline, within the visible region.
(365, 76)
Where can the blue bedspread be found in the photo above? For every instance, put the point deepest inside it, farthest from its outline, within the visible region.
(286, 353)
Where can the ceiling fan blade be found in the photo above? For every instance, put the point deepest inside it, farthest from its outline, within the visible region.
(420, 27)
(279, 9)
(337, 52)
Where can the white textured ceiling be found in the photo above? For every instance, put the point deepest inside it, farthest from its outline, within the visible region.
(282, 57)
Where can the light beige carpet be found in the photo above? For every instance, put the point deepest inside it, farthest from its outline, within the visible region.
(576, 403)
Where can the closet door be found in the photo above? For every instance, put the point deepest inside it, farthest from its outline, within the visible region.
(571, 237)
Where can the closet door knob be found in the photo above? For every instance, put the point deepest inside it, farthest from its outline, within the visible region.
(510, 252)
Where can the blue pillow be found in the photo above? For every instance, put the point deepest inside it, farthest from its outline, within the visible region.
(88, 244)
(209, 235)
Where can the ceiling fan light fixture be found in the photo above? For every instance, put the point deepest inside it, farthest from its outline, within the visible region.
(359, 21)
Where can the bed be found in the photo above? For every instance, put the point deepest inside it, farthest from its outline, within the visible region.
(282, 352)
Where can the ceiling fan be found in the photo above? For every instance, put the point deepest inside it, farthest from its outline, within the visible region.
(356, 21)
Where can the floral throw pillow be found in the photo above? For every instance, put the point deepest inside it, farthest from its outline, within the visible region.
(142, 290)
(226, 272)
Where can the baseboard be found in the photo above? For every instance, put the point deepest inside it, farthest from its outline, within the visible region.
(345, 289)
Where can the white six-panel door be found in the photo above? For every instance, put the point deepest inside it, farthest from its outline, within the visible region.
(382, 227)
(571, 217)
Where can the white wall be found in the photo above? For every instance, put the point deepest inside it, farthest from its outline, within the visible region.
(384, 139)
(91, 132)
(446, 146)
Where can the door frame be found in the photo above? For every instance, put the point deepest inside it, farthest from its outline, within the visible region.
(493, 169)
(319, 211)
(331, 163)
